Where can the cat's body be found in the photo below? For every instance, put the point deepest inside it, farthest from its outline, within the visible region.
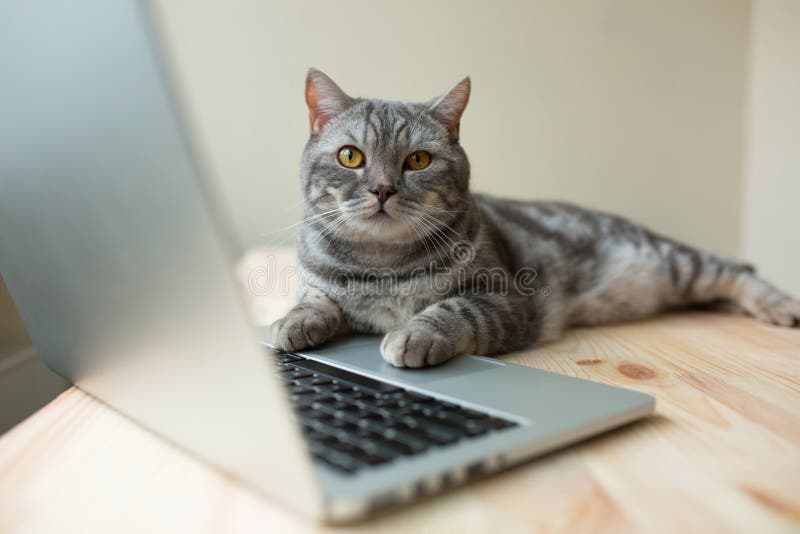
(398, 248)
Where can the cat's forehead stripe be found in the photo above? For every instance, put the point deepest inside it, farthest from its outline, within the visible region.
(381, 124)
(365, 128)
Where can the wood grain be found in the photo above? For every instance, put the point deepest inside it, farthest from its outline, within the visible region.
(721, 455)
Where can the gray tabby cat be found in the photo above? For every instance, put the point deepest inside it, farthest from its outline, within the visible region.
(394, 243)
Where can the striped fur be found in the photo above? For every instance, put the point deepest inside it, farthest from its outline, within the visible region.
(445, 272)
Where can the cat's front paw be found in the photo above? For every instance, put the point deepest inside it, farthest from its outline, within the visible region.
(416, 347)
(301, 330)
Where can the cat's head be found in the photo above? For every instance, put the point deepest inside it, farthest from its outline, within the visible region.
(379, 171)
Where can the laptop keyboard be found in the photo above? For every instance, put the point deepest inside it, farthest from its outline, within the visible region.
(354, 422)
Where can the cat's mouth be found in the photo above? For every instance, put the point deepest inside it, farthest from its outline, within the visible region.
(382, 211)
(382, 219)
(381, 223)
(381, 214)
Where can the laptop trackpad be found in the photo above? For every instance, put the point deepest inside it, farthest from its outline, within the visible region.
(362, 353)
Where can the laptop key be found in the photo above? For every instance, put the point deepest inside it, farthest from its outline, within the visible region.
(411, 444)
(343, 424)
(370, 443)
(346, 448)
(349, 417)
(374, 444)
(391, 439)
(389, 403)
(437, 434)
(295, 397)
(425, 410)
(449, 418)
(294, 374)
(326, 427)
(369, 416)
(310, 400)
(320, 381)
(441, 436)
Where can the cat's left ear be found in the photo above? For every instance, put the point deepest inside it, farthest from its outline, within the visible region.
(448, 108)
(325, 99)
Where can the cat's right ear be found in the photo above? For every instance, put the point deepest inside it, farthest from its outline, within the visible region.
(324, 98)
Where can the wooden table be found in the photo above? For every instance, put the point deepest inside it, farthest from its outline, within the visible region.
(721, 454)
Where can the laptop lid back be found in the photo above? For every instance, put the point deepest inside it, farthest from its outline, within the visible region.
(111, 250)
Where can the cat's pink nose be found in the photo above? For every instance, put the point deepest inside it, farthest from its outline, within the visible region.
(383, 192)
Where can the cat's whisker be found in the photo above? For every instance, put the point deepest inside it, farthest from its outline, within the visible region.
(326, 239)
(430, 233)
(425, 238)
(327, 229)
(442, 223)
(366, 209)
(332, 214)
(330, 228)
(422, 238)
(291, 237)
(285, 211)
(306, 220)
(346, 212)
(438, 209)
(435, 227)
(434, 222)
(353, 202)
(436, 236)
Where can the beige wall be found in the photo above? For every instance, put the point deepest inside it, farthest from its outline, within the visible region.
(771, 221)
(630, 106)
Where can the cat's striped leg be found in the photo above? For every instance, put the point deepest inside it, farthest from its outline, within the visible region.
(738, 290)
(757, 297)
(477, 324)
(314, 320)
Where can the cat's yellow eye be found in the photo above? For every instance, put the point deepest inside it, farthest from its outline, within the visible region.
(418, 160)
(351, 157)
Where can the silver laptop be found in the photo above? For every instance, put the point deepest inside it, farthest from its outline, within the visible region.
(121, 264)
